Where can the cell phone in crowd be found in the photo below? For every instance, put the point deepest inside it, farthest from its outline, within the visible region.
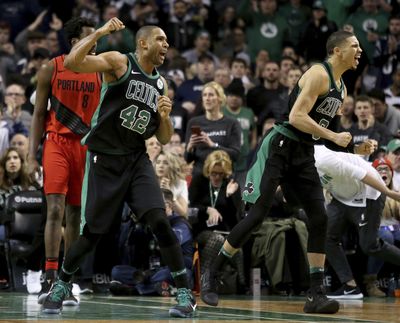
(196, 130)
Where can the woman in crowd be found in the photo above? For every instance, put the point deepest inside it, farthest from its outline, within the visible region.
(389, 229)
(13, 175)
(216, 196)
(211, 131)
(168, 170)
(153, 147)
(13, 178)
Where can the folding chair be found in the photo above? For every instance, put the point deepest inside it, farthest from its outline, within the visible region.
(21, 218)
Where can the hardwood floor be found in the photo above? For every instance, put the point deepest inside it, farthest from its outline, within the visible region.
(17, 307)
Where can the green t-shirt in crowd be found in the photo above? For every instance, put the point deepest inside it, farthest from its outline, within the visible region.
(337, 10)
(246, 119)
(363, 22)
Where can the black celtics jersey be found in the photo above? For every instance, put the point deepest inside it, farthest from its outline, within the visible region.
(127, 113)
(324, 109)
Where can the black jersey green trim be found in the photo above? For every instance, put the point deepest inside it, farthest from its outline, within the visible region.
(123, 77)
(104, 88)
(127, 113)
(251, 191)
(283, 130)
(150, 76)
(84, 192)
(95, 116)
(328, 68)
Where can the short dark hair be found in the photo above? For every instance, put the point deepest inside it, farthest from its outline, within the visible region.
(5, 25)
(73, 28)
(377, 94)
(395, 17)
(287, 58)
(41, 52)
(34, 35)
(336, 39)
(238, 60)
(144, 32)
(363, 98)
(273, 62)
(205, 57)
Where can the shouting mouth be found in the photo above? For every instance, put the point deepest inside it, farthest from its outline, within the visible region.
(163, 55)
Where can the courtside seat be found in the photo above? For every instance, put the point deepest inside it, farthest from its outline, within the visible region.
(21, 218)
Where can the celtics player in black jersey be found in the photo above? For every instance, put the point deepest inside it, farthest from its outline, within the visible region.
(133, 107)
(285, 157)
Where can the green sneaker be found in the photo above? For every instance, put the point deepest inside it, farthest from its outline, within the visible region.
(186, 306)
(54, 300)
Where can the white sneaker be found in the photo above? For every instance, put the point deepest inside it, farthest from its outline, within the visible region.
(33, 281)
(76, 290)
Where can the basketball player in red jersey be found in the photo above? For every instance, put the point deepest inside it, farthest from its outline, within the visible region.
(74, 98)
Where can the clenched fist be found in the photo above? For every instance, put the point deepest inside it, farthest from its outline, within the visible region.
(164, 106)
(342, 139)
(366, 148)
(114, 24)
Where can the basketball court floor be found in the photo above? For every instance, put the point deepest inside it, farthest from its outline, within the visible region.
(19, 307)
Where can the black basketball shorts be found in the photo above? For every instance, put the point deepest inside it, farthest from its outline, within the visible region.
(111, 180)
(286, 162)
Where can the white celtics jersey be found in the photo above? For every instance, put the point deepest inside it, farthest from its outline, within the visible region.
(341, 174)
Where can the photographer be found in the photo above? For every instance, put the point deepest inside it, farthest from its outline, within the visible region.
(156, 278)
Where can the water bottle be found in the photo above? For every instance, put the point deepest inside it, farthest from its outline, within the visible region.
(397, 290)
(154, 259)
(192, 215)
(24, 278)
(256, 281)
(392, 285)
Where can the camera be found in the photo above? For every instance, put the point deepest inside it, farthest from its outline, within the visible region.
(193, 213)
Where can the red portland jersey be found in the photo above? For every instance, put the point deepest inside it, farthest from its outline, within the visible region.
(74, 98)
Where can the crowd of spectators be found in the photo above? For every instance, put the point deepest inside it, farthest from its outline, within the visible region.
(230, 68)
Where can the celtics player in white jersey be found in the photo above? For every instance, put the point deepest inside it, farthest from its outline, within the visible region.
(356, 189)
(133, 107)
(285, 157)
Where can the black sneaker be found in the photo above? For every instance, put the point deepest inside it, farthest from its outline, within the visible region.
(346, 292)
(46, 285)
(54, 300)
(317, 302)
(208, 288)
(71, 300)
(119, 289)
(186, 306)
